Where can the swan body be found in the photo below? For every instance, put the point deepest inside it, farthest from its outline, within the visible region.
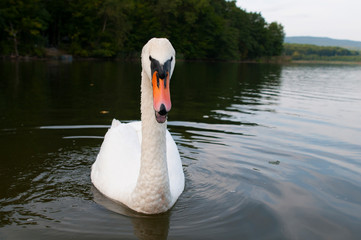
(139, 163)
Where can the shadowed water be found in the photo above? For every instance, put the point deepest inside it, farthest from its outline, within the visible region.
(268, 151)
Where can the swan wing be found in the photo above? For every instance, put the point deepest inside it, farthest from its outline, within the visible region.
(175, 169)
(115, 171)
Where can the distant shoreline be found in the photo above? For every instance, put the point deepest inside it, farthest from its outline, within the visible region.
(272, 60)
(324, 62)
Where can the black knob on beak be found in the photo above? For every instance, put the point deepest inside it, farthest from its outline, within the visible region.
(161, 74)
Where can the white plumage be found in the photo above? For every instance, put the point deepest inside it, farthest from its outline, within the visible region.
(139, 163)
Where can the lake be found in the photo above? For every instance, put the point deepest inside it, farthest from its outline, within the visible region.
(269, 151)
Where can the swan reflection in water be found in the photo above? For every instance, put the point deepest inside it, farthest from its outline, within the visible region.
(147, 227)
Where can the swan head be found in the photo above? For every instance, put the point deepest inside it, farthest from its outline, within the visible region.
(158, 61)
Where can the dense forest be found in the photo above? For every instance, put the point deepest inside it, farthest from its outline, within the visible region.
(313, 52)
(198, 29)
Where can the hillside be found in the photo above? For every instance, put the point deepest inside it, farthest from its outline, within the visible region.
(308, 52)
(323, 41)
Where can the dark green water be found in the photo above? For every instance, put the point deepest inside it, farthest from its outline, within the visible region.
(268, 151)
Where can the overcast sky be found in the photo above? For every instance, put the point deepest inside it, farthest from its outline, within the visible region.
(340, 19)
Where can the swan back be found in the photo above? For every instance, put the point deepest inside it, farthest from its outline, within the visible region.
(116, 169)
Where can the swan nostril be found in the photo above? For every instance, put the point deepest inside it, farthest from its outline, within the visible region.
(162, 110)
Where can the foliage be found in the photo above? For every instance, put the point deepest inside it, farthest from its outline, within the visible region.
(22, 23)
(198, 29)
(313, 52)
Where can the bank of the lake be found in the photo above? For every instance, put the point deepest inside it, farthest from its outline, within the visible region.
(326, 62)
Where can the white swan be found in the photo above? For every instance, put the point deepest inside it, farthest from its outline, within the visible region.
(139, 163)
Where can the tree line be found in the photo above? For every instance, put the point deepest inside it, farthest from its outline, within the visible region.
(313, 52)
(198, 29)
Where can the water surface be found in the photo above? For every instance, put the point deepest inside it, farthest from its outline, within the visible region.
(268, 151)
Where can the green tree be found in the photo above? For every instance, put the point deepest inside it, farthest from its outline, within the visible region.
(258, 36)
(23, 21)
(114, 29)
(275, 37)
(198, 29)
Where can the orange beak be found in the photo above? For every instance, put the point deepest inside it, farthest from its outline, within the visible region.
(161, 93)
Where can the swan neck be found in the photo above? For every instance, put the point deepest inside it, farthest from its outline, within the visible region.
(152, 189)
